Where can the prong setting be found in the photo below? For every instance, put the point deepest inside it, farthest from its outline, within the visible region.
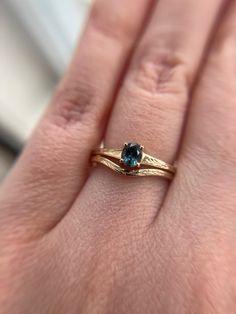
(132, 155)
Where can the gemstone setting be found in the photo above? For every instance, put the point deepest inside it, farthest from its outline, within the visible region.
(131, 155)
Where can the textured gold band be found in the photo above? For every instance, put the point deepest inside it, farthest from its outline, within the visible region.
(147, 160)
(139, 172)
(144, 164)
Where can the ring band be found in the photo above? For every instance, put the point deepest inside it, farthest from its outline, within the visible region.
(133, 161)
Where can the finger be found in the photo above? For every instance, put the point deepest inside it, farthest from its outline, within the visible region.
(208, 157)
(55, 163)
(199, 211)
(151, 105)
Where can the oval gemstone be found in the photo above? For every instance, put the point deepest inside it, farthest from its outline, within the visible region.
(131, 154)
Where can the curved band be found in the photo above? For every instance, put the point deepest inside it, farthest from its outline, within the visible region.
(147, 160)
(134, 161)
(139, 172)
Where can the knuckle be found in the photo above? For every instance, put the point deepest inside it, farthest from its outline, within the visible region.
(72, 104)
(160, 81)
(159, 72)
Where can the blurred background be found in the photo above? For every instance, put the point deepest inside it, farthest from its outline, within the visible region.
(37, 38)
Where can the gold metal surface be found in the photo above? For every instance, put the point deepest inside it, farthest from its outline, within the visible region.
(138, 172)
(147, 160)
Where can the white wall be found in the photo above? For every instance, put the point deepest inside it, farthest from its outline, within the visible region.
(37, 38)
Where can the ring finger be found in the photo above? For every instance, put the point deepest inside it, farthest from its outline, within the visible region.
(151, 105)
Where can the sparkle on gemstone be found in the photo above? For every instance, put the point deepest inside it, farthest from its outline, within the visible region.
(131, 155)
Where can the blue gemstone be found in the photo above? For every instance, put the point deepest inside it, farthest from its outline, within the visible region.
(131, 155)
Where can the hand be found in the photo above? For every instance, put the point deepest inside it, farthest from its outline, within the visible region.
(79, 241)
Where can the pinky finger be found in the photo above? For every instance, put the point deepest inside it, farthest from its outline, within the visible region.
(210, 142)
(207, 161)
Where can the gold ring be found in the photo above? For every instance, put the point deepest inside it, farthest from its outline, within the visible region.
(133, 161)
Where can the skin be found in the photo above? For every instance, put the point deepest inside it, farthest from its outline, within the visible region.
(80, 240)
